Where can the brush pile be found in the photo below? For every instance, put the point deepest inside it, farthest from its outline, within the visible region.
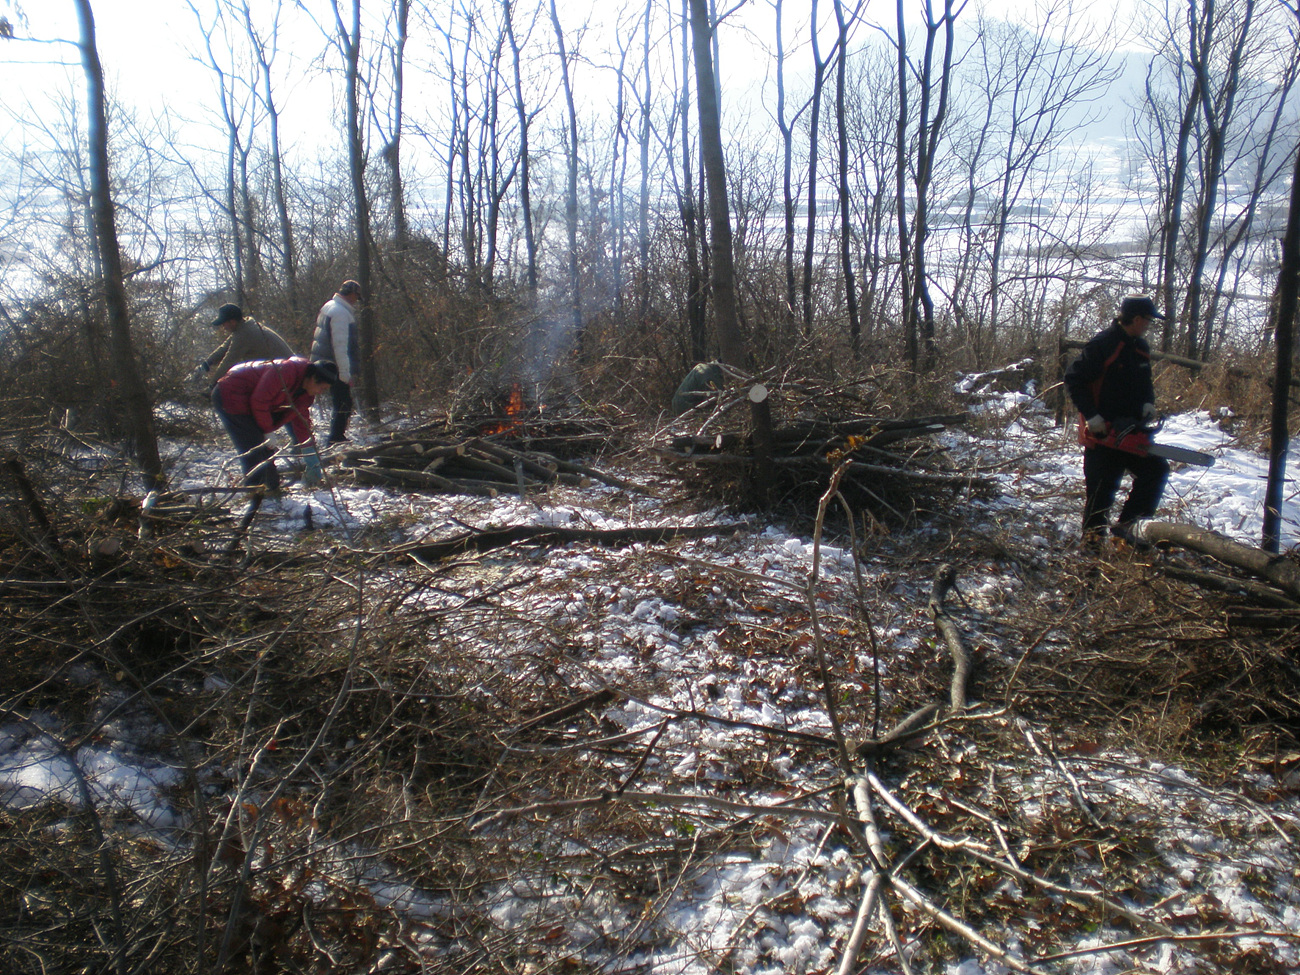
(452, 464)
(768, 443)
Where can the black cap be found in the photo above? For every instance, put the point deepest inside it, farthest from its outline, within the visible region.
(1138, 305)
(325, 370)
(350, 287)
(228, 313)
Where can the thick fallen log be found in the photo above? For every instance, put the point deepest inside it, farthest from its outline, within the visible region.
(1277, 569)
(483, 541)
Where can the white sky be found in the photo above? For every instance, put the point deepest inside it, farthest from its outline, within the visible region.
(146, 46)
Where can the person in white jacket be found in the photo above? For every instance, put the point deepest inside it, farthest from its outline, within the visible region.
(336, 341)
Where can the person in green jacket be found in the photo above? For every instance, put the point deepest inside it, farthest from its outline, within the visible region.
(246, 341)
(700, 383)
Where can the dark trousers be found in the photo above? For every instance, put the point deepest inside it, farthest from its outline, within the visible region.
(1103, 468)
(341, 394)
(249, 439)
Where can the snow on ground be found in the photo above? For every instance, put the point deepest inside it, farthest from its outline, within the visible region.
(788, 905)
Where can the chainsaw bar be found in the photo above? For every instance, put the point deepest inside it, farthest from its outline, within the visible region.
(1180, 454)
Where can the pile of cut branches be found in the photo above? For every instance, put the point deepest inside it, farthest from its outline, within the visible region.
(424, 461)
(764, 444)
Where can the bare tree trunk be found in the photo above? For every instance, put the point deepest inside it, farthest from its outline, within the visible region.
(1217, 109)
(731, 346)
(235, 202)
(470, 227)
(1285, 301)
(814, 131)
(571, 185)
(618, 180)
(643, 201)
(846, 232)
(454, 129)
(525, 186)
(695, 297)
(288, 255)
(252, 252)
(392, 152)
(126, 368)
(349, 40)
(787, 191)
(910, 331)
(1173, 216)
(498, 182)
(929, 131)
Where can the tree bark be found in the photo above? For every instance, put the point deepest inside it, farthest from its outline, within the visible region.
(731, 346)
(350, 41)
(845, 203)
(126, 368)
(571, 184)
(695, 287)
(1279, 571)
(1285, 301)
(814, 127)
(525, 185)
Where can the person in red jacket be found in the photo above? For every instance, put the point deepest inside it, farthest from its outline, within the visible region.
(255, 398)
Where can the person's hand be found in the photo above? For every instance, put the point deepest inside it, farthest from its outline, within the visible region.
(312, 473)
(200, 373)
(1097, 425)
(1148, 412)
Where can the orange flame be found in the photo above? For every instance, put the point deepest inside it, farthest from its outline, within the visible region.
(514, 405)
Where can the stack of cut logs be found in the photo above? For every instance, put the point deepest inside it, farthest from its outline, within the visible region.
(474, 465)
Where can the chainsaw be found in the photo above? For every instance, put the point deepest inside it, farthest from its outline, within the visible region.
(1130, 436)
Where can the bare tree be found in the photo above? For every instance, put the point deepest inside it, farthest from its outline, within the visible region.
(691, 222)
(933, 82)
(236, 98)
(571, 181)
(347, 41)
(1217, 106)
(264, 49)
(1286, 301)
(126, 368)
(845, 201)
(814, 131)
(786, 128)
(726, 313)
(525, 119)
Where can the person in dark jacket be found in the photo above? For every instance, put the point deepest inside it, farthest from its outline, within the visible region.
(255, 398)
(335, 340)
(1109, 383)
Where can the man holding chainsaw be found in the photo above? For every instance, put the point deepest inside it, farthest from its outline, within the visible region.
(1110, 384)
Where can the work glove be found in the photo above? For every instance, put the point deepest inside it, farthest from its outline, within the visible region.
(1097, 425)
(200, 373)
(1148, 412)
(311, 474)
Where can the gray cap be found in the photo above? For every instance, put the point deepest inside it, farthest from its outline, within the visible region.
(1138, 305)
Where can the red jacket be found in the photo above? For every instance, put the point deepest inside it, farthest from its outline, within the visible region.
(272, 393)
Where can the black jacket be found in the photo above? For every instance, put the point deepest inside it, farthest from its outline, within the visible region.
(1112, 376)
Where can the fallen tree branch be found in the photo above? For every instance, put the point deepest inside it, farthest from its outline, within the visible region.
(488, 539)
(1277, 569)
(944, 579)
(980, 852)
(1217, 582)
(661, 799)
